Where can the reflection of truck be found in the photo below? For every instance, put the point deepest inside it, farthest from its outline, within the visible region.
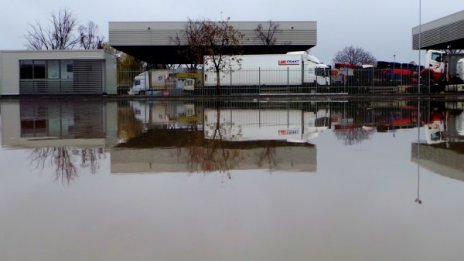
(460, 124)
(252, 125)
(445, 71)
(293, 68)
(160, 80)
(176, 114)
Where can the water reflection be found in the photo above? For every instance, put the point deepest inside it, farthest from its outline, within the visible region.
(207, 137)
(63, 136)
(154, 136)
(442, 149)
(63, 159)
(327, 187)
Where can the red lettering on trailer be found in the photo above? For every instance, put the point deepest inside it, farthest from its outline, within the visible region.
(289, 62)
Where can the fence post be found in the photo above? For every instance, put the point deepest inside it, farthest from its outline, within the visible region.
(373, 77)
(259, 80)
(302, 74)
(346, 77)
(429, 81)
(288, 79)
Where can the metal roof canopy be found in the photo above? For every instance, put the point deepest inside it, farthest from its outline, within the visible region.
(153, 42)
(443, 33)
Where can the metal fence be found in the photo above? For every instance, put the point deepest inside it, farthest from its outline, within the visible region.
(292, 82)
(125, 79)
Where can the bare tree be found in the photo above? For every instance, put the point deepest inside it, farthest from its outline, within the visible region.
(267, 34)
(211, 43)
(353, 136)
(59, 35)
(220, 40)
(217, 41)
(354, 55)
(191, 37)
(89, 38)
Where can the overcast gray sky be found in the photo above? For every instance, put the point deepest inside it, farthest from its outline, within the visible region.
(381, 27)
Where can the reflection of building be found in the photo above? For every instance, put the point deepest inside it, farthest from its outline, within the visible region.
(169, 150)
(54, 123)
(57, 72)
(441, 159)
(156, 160)
(456, 125)
(174, 139)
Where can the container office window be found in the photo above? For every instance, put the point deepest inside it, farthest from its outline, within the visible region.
(46, 69)
(40, 70)
(53, 69)
(26, 69)
(67, 69)
(61, 76)
(30, 69)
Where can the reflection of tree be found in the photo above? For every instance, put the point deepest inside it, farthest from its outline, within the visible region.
(352, 136)
(62, 159)
(267, 156)
(128, 125)
(213, 155)
(89, 159)
(222, 150)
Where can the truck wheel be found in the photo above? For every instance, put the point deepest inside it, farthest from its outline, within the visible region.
(142, 93)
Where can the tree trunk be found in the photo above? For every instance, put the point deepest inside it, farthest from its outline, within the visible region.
(218, 82)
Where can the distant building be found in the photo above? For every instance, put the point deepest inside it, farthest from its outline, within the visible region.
(57, 72)
(444, 33)
(153, 42)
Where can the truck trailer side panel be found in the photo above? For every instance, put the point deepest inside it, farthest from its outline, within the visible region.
(252, 70)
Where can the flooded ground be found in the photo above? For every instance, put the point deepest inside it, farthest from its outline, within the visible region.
(325, 179)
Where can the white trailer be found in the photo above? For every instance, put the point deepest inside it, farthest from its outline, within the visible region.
(293, 68)
(158, 80)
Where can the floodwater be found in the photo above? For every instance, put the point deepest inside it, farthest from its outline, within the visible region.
(324, 179)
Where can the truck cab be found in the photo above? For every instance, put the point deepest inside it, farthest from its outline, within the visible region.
(445, 68)
(140, 83)
(318, 73)
(435, 65)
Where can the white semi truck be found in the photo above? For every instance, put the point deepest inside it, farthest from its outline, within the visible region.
(293, 68)
(161, 80)
(445, 70)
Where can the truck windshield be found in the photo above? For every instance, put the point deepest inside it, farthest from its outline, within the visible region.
(322, 72)
(436, 57)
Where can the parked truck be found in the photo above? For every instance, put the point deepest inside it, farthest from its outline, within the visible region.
(159, 81)
(293, 68)
(444, 71)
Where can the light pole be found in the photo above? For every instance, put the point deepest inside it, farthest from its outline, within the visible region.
(393, 71)
(419, 43)
(418, 200)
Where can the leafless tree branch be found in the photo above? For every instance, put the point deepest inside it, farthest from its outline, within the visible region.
(354, 55)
